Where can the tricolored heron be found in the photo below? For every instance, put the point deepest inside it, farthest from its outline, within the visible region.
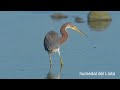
(52, 41)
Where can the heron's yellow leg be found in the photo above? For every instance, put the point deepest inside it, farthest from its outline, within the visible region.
(61, 61)
(61, 67)
(50, 60)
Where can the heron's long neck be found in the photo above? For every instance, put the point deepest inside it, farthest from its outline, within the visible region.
(64, 34)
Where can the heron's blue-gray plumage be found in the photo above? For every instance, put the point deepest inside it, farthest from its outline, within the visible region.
(51, 41)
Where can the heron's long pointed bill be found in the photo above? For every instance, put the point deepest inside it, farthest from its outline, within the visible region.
(81, 32)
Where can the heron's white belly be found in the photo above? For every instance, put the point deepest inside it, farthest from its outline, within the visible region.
(55, 50)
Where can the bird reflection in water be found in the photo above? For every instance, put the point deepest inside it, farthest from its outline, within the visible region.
(51, 75)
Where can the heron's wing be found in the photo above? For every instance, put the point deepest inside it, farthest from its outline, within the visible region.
(51, 41)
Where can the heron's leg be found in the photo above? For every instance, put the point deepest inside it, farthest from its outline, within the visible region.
(50, 60)
(61, 61)
(60, 73)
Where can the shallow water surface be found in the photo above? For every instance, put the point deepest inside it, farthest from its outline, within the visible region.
(22, 53)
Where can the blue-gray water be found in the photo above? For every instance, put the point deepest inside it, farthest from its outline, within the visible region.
(22, 53)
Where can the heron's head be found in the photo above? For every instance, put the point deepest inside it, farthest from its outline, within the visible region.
(73, 27)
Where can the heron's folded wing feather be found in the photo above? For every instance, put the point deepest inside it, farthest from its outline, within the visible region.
(51, 40)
